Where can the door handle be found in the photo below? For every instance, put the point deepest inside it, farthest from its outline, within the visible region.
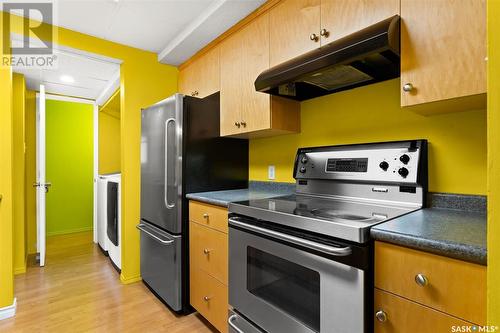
(231, 323)
(331, 250)
(45, 185)
(163, 241)
(168, 121)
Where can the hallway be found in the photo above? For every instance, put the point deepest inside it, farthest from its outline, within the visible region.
(79, 291)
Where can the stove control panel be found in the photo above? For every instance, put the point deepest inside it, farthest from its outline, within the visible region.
(382, 162)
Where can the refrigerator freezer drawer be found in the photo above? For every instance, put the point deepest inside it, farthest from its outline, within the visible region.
(161, 264)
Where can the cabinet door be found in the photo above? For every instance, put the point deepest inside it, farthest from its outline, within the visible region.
(342, 17)
(244, 56)
(256, 110)
(210, 297)
(443, 55)
(201, 78)
(208, 251)
(397, 268)
(396, 314)
(230, 85)
(291, 24)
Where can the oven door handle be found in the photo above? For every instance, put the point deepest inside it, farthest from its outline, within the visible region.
(231, 323)
(331, 250)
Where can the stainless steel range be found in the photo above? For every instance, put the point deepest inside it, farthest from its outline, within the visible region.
(304, 262)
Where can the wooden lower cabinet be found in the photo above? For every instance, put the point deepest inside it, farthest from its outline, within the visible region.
(208, 262)
(448, 285)
(211, 216)
(209, 297)
(399, 315)
(208, 251)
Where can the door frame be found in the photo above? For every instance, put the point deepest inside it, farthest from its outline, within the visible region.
(49, 96)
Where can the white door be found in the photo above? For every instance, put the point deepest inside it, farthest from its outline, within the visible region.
(41, 186)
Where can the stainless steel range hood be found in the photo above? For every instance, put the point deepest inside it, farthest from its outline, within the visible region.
(364, 57)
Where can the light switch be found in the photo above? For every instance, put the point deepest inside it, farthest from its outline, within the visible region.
(271, 172)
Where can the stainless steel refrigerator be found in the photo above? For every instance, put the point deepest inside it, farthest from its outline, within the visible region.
(181, 152)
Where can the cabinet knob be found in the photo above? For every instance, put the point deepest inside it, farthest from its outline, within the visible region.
(205, 216)
(421, 280)
(324, 33)
(313, 37)
(381, 316)
(206, 251)
(243, 123)
(206, 298)
(237, 124)
(408, 87)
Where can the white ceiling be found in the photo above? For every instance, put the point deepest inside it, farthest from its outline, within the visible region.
(175, 29)
(95, 77)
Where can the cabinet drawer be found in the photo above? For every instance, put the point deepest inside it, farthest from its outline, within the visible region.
(211, 216)
(406, 316)
(208, 251)
(209, 298)
(452, 286)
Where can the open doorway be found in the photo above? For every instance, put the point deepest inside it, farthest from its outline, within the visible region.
(73, 107)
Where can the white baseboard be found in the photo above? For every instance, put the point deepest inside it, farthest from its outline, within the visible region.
(8, 311)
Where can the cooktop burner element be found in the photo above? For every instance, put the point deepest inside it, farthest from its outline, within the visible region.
(342, 191)
(331, 214)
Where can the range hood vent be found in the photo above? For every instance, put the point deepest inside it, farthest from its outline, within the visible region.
(364, 57)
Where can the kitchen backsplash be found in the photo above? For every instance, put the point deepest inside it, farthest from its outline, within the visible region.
(457, 150)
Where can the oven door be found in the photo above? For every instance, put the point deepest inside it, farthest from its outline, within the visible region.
(284, 283)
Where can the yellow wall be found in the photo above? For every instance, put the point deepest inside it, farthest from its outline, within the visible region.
(109, 143)
(109, 136)
(19, 94)
(6, 232)
(457, 152)
(143, 82)
(30, 170)
(493, 162)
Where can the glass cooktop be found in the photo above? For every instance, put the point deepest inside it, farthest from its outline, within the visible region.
(346, 219)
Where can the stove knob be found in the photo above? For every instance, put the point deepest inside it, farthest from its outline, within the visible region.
(302, 170)
(404, 158)
(384, 165)
(304, 159)
(403, 172)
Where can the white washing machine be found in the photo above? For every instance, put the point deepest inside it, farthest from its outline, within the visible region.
(113, 219)
(102, 182)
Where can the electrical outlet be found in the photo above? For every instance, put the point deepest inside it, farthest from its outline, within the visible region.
(271, 172)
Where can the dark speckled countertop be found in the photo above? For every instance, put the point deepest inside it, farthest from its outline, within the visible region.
(453, 226)
(255, 190)
(445, 230)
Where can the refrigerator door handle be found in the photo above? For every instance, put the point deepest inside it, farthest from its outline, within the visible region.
(168, 121)
(163, 241)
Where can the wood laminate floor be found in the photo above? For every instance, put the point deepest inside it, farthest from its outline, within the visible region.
(79, 291)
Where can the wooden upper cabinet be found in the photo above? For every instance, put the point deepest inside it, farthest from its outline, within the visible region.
(443, 50)
(244, 111)
(293, 23)
(232, 81)
(340, 18)
(201, 77)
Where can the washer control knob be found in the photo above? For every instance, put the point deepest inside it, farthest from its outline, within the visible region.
(404, 158)
(304, 159)
(403, 172)
(302, 170)
(384, 165)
